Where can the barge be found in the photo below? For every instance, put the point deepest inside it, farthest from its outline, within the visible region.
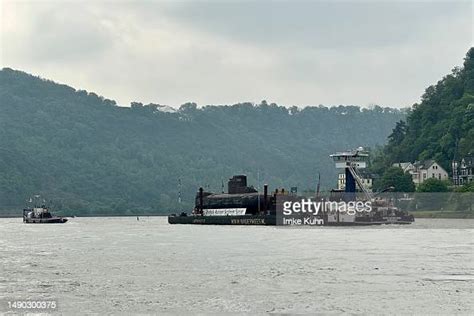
(244, 205)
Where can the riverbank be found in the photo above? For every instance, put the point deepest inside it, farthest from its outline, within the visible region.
(441, 214)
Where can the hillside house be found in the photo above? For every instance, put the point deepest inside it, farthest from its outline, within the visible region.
(463, 171)
(422, 170)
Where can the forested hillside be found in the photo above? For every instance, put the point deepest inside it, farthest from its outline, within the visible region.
(441, 127)
(91, 156)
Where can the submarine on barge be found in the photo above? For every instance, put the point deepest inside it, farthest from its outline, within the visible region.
(241, 205)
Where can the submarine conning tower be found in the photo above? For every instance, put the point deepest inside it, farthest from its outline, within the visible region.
(238, 185)
(350, 161)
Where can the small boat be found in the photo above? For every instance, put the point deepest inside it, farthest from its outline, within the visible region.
(40, 214)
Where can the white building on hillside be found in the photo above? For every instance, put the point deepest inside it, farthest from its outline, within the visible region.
(405, 166)
(422, 170)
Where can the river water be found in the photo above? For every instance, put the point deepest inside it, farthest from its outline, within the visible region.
(121, 265)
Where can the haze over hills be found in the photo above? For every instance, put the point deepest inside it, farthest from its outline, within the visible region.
(91, 156)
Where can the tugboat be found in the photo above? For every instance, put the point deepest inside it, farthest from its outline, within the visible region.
(39, 213)
(384, 210)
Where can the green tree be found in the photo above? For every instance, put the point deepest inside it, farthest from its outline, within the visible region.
(398, 133)
(395, 177)
(433, 185)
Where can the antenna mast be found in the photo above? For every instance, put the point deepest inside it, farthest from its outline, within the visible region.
(258, 189)
(319, 183)
(179, 191)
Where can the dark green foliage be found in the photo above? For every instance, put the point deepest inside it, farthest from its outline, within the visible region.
(466, 188)
(433, 185)
(396, 178)
(93, 157)
(441, 127)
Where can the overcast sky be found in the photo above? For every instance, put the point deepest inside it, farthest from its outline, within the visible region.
(224, 52)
